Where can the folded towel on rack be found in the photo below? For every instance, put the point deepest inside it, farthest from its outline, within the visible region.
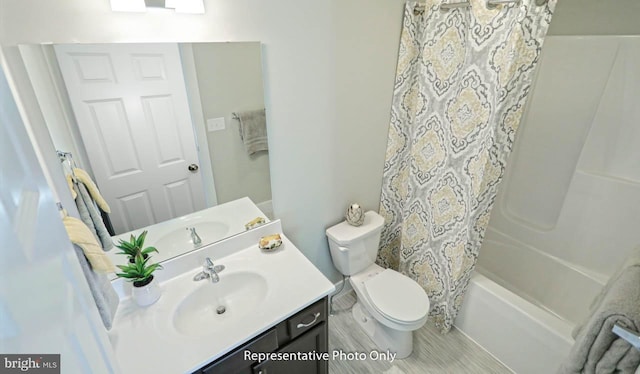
(597, 349)
(84, 178)
(95, 194)
(70, 183)
(91, 216)
(253, 130)
(82, 236)
(104, 295)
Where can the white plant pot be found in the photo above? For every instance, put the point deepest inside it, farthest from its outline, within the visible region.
(146, 295)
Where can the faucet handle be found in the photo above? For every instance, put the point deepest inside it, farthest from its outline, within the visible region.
(208, 264)
(218, 268)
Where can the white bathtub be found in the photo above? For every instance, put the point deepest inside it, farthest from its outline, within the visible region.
(556, 285)
(524, 337)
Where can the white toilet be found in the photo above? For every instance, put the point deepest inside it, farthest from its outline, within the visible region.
(390, 305)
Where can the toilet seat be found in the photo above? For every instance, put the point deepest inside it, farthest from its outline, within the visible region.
(397, 297)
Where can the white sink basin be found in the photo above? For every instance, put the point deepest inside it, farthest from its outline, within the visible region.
(240, 294)
(179, 240)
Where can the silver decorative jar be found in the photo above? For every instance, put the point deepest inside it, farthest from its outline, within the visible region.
(355, 215)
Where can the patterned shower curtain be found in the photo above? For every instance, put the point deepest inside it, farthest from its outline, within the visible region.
(462, 81)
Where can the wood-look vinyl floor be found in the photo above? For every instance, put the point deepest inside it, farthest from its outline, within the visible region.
(432, 352)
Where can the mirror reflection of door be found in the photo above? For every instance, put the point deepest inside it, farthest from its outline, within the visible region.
(131, 106)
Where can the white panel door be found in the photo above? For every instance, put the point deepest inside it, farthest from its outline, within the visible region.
(131, 105)
(45, 303)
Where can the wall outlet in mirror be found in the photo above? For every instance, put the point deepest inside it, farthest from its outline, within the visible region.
(215, 124)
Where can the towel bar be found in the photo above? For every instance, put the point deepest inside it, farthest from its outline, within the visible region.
(461, 4)
(628, 335)
(419, 7)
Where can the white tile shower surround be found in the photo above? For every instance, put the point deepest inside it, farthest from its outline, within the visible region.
(556, 243)
(433, 352)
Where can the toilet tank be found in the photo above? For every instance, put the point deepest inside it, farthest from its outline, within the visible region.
(354, 249)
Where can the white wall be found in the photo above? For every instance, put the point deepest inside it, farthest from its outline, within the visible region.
(230, 80)
(596, 17)
(46, 79)
(34, 122)
(46, 305)
(328, 67)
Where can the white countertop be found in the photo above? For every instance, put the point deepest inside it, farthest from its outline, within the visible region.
(145, 340)
(233, 215)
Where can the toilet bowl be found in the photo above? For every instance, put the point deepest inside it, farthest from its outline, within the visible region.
(390, 305)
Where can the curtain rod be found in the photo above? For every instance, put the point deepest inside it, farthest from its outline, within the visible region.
(466, 4)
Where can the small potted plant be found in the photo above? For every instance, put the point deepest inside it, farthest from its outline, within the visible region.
(134, 247)
(139, 270)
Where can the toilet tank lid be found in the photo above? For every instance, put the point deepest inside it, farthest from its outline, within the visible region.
(343, 233)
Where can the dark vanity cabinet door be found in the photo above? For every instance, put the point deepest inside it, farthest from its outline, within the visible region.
(235, 362)
(306, 320)
(306, 331)
(313, 340)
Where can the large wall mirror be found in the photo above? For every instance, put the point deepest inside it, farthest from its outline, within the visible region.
(158, 127)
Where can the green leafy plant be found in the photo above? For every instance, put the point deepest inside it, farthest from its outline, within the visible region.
(134, 246)
(140, 272)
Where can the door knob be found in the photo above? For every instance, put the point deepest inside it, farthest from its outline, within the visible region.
(193, 168)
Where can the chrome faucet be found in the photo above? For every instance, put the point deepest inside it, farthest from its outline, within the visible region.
(195, 238)
(209, 271)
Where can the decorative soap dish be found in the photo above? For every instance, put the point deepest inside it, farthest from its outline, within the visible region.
(269, 243)
(258, 221)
